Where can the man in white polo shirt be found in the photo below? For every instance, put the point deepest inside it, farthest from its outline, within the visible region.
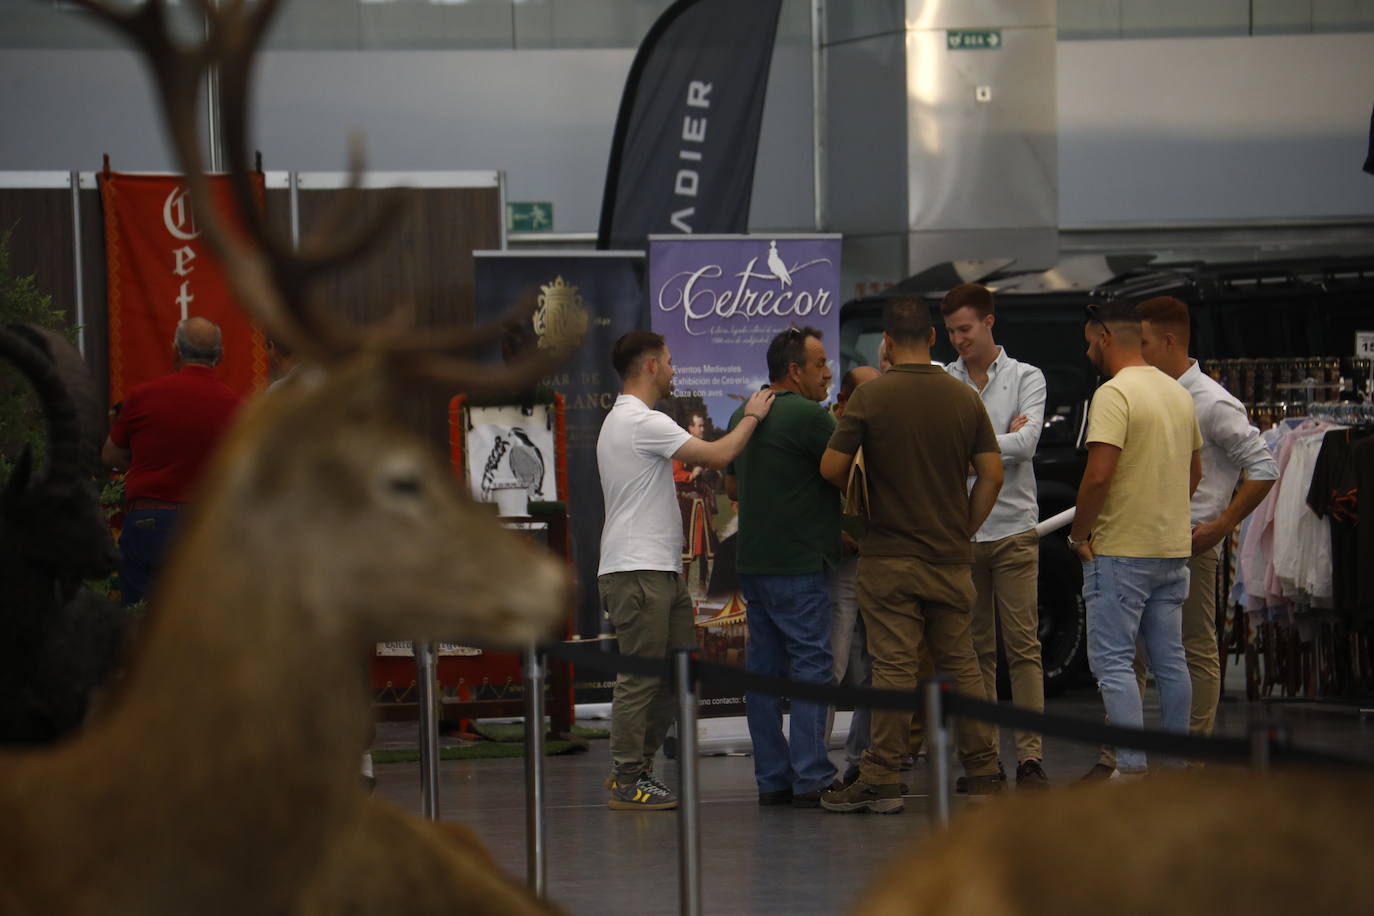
(1230, 447)
(640, 576)
(1006, 549)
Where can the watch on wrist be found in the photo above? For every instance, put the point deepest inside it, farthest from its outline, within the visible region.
(1074, 545)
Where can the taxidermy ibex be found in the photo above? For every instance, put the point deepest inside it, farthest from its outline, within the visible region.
(58, 639)
(222, 777)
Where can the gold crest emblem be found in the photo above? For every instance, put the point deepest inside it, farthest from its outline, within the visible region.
(560, 320)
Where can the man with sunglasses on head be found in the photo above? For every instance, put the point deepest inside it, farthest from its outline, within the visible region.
(1131, 527)
(789, 546)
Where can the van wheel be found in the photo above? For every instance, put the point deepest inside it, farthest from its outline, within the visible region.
(1063, 617)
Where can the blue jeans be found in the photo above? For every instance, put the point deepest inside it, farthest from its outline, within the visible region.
(142, 544)
(1129, 598)
(789, 636)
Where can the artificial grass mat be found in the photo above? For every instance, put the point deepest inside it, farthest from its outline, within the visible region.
(502, 741)
(515, 731)
(486, 750)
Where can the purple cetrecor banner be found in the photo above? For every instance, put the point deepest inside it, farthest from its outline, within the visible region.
(719, 301)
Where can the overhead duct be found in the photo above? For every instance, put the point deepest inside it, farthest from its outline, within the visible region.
(940, 135)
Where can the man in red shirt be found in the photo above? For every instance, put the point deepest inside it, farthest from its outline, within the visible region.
(163, 437)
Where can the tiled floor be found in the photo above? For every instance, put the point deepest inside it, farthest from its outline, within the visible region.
(756, 860)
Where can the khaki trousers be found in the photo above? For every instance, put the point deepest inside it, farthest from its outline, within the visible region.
(652, 614)
(1005, 576)
(908, 604)
(1199, 647)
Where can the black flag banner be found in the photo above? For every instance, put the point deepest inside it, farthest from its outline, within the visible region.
(1369, 160)
(682, 159)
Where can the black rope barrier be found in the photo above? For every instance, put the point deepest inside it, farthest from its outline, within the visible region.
(1235, 750)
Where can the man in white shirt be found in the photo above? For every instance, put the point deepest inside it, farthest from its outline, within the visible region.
(1231, 447)
(640, 576)
(1006, 549)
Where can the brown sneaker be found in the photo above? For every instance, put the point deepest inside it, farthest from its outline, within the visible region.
(1099, 773)
(1030, 775)
(860, 796)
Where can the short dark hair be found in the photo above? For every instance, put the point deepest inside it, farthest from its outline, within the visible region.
(907, 321)
(787, 348)
(1167, 312)
(1114, 311)
(968, 295)
(628, 352)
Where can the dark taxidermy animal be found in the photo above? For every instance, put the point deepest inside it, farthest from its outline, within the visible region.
(59, 640)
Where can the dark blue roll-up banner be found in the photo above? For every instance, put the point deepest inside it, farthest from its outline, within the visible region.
(603, 292)
(682, 158)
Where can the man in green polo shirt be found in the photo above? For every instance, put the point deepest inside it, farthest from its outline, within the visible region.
(788, 543)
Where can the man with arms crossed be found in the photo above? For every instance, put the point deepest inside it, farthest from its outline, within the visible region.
(1230, 447)
(789, 542)
(1006, 549)
(920, 429)
(1130, 526)
(640, 576)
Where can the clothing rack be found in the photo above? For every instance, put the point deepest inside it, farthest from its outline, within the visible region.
(1313, 654)
(1346, 413)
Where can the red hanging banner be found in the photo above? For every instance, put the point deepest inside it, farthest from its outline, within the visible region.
(160, 269)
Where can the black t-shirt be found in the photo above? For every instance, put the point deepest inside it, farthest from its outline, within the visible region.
(1333, 496)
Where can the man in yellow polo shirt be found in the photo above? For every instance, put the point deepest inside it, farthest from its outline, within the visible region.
(1132, 528)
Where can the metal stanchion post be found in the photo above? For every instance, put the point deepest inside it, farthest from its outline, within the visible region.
(536, 867)
(689, 823)
(426, 674)
(937, 754)
(1263, 736)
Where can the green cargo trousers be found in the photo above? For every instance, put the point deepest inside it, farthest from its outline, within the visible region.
(652, 614)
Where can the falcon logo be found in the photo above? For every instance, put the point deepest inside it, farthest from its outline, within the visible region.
(560, 320)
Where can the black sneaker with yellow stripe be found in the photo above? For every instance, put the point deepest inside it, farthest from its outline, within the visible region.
(644, 794)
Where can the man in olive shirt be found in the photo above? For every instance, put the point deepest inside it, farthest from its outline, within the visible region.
(920, 430)
(788, 543)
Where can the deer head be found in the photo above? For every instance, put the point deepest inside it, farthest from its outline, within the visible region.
(383, 522)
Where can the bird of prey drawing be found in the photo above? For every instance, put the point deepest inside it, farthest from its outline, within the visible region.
(526, 462)
(776, 265)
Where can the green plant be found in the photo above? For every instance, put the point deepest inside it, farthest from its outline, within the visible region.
(21, 416)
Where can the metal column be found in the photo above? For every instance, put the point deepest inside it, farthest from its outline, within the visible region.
(536, 864)
(938, 753)
(78, 278)
(426, 674)
(689, 823)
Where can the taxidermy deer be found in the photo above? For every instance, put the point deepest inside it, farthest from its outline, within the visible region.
(222, 777)
(1209, 842)
(58, 639)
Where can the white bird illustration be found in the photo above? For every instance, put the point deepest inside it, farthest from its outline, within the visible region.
(776, 265)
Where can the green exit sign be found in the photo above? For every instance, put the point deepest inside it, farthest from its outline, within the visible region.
(963, 40)
(529, 216)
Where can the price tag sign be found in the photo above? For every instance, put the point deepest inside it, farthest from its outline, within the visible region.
(1364, 344)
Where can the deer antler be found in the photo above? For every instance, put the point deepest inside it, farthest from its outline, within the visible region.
(272, 279)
